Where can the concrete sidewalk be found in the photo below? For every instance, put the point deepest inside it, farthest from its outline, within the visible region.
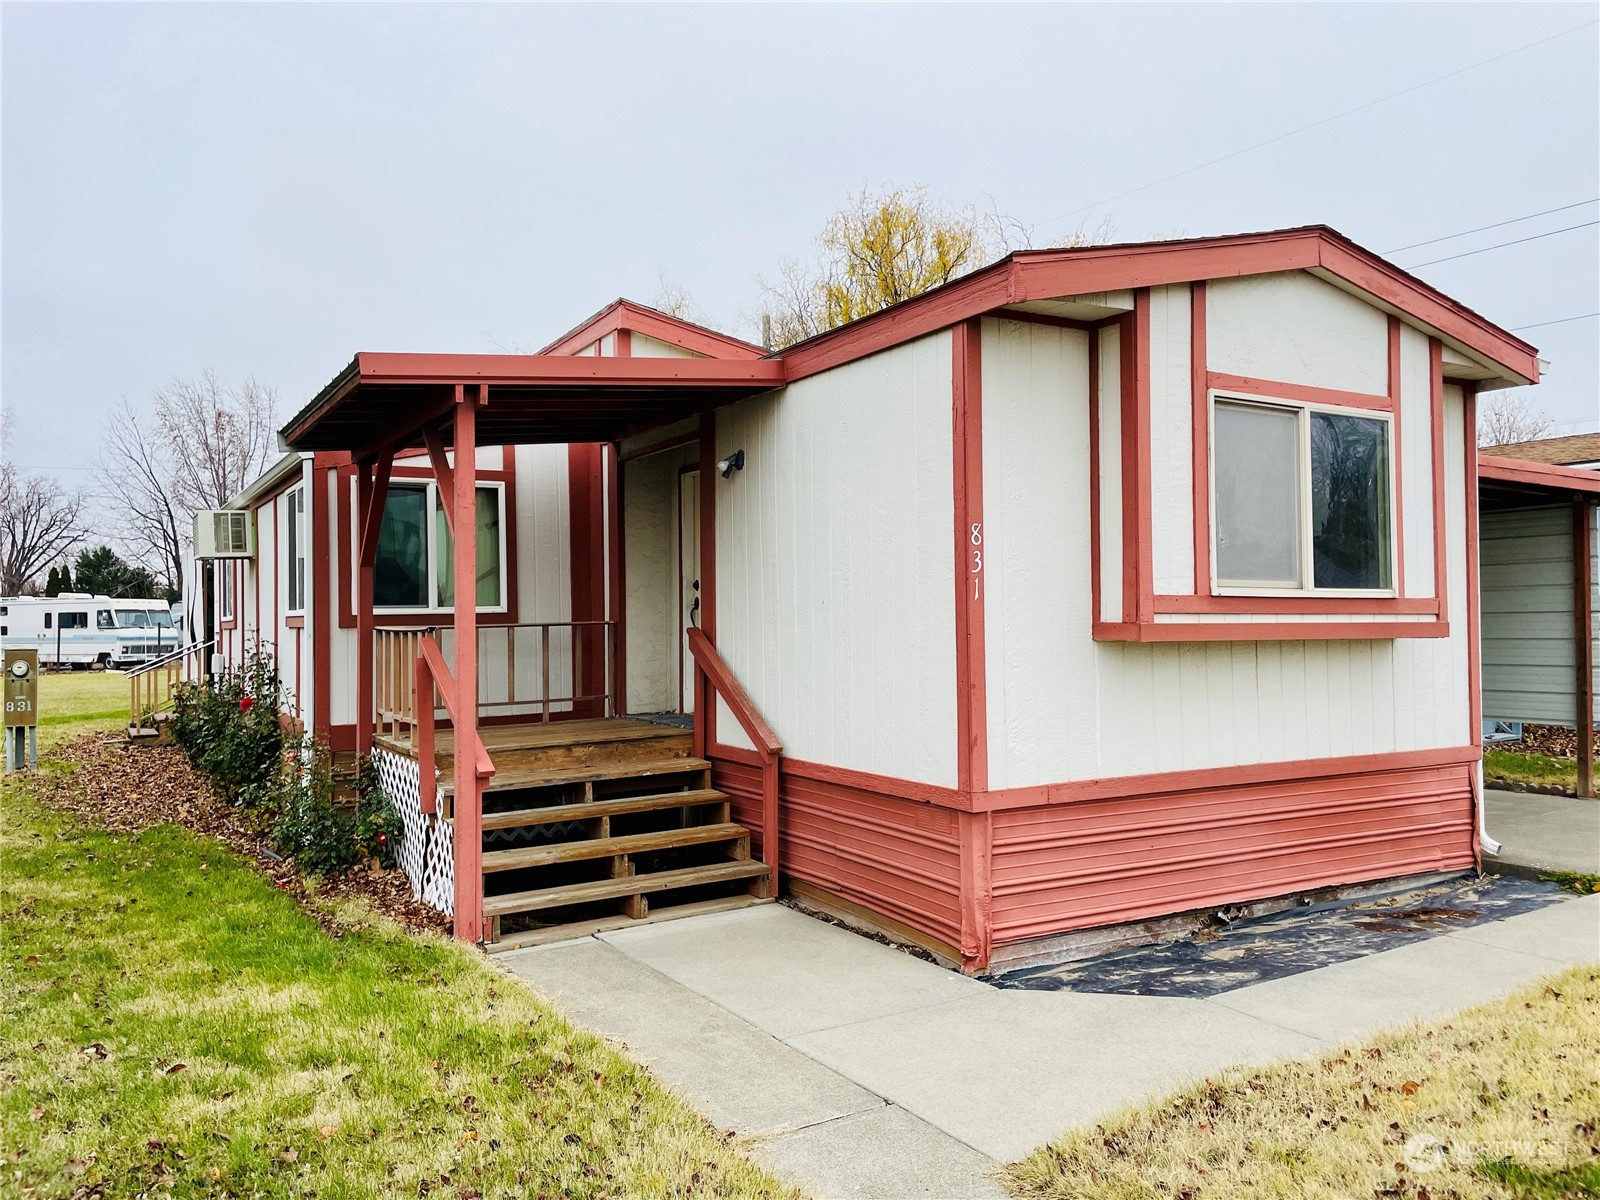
(1542, 833)
(854, 1070)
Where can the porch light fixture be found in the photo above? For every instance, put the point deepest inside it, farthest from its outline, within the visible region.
(734, 462)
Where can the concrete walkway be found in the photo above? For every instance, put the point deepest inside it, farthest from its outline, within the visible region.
(1542, 833)
(854, 1070)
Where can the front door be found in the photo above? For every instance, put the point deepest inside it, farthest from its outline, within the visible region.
(688, 580)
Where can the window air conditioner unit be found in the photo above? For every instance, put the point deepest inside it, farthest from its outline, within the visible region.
(224, 533)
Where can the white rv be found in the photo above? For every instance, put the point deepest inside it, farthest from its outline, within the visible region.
(78, 630)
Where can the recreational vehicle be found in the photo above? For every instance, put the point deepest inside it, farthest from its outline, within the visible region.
(80, 631)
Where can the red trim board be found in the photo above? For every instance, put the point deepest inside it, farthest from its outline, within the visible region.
(1200, 437)
(1396, 432)
(966, 419)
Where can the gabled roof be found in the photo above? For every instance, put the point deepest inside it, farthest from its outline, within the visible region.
(664, 327)
(1031, 275)
(1561, 451)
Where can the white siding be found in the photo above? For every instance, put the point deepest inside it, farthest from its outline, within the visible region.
(835, 568)
(1295, 328)
(1064, 707)
(1416, 460)
(1110, 474)
(1036, 510)
(1171, 442)
(644, 346)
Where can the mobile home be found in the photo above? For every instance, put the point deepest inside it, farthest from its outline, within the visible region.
(1099, 585)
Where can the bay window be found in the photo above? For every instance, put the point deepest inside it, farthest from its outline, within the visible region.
(415, 564)
(1301, 498)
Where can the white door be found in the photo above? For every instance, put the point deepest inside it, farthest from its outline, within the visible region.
(688, 581)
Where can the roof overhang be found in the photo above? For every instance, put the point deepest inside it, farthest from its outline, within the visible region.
(638, 318)
(1027, 278)
(387, 399)
(1520, 474)
(287, 467)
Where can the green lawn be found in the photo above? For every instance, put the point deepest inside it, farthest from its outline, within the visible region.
(72, 703)
(1538, 769)
(173, 1024)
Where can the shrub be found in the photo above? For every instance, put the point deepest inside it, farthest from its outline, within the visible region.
(231, 731)
(324, 836)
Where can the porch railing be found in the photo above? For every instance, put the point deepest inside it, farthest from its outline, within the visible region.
(539, 669)
(713, 679)
(152, 685)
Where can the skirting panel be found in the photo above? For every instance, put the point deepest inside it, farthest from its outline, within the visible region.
(1103, 862)
(426, 852)
(896, 857)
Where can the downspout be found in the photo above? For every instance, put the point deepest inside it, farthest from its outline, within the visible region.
(1485, 843)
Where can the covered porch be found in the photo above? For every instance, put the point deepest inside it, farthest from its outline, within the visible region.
(537, 801)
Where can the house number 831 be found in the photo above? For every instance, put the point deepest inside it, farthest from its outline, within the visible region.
(975, 537)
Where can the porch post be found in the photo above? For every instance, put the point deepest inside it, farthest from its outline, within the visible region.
(372, 490)
(468, 810)
(1583, 641)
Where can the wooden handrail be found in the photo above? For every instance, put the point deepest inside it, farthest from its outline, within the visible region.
(719, 680)
(731, 690)
(431, 661)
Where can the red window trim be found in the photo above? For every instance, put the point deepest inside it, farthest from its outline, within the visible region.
(1140, 605)
(507, 475)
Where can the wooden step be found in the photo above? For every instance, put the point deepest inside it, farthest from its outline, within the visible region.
(632, 885)
(513, 780)
(586, 810)
(610, 847)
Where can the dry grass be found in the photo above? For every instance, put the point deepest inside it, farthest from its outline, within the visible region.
(1500, 1101)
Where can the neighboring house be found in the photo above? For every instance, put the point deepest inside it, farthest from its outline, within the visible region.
(1541, 585)
(1099, 585)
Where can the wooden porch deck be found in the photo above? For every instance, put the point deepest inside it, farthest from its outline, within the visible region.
(585, 817)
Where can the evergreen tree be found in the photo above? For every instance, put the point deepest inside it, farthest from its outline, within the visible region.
(52, 583)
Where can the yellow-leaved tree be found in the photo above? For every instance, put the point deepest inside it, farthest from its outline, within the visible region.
(882, 248)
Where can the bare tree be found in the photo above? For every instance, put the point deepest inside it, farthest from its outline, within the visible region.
(673, 299)
(201, 444)
(135, 471)
(1505, 418)
(38, 525)
(220, 437)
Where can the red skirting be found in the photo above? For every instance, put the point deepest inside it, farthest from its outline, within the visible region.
(1086, 863)
(896, 857)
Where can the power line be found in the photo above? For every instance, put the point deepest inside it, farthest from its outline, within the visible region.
(1450, 237)
(1325, 121)
(1500, 245)
(1559, 321)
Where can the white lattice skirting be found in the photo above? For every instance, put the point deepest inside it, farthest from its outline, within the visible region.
(427, 850)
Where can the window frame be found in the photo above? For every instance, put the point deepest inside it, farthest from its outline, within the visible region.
(294, 551)
(225, 588)
(431, 564)
(1306, 588)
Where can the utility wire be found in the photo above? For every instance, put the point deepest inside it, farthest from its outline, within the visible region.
(1450, 237)
(1500, 245)
(1324, 121)
(1559, 321)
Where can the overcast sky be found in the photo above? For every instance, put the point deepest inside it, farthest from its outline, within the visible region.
(266, 190)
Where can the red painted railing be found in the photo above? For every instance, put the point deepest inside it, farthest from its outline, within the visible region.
(713, 678)
(433, 676)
